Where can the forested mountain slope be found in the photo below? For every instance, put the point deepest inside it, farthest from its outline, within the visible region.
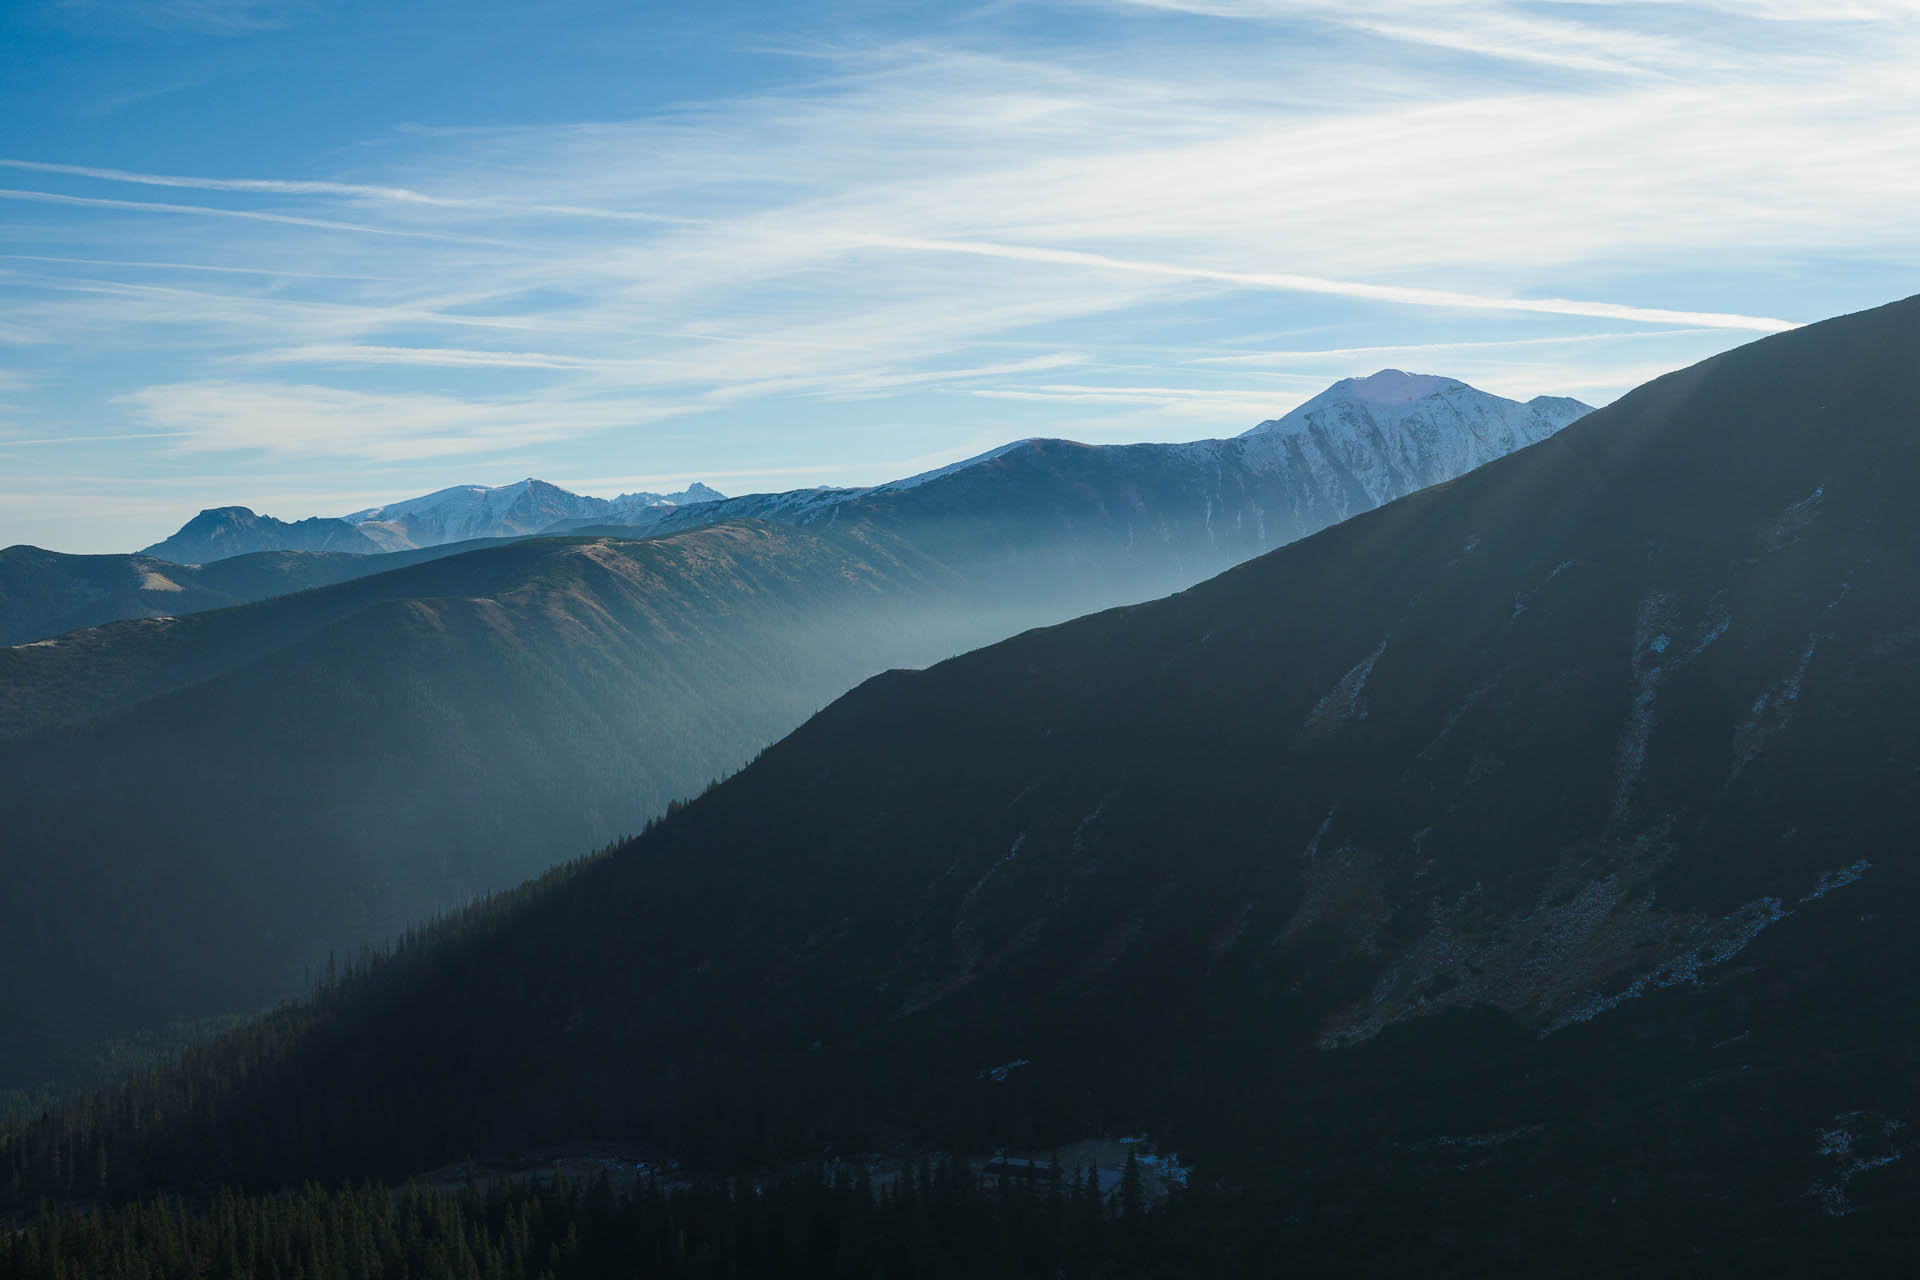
(252, 789)
(1526, 862)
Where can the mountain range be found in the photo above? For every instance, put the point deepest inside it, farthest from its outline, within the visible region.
(465, 512)
(1209, 504)
(1361, 442)
(1516, 871)
(481, 711)
(1353, 446)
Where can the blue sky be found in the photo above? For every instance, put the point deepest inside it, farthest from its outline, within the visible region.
(309, 256)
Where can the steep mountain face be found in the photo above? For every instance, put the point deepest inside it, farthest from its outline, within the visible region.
(221, 532)
(1526, 862)
(1165, 516)
(513, 510)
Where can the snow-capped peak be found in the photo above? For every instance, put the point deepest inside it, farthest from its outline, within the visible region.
(467, 500)
(643, 499)
(491, 511)
(1389, 386)
(1372, 439)
(1393, 399)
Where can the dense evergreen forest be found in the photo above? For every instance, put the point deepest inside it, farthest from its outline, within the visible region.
(936, 1219)
(1313, 1165)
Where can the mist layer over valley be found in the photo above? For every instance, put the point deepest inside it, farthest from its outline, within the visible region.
(204, 808)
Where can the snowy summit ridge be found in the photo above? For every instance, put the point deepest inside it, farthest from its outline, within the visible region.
(1365, 441)
(529, 506)
(1360, 443)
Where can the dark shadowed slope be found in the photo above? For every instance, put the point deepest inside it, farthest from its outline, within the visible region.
(254, 788)
(1527, 864)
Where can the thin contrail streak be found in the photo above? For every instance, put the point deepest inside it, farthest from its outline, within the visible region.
(1408, 295)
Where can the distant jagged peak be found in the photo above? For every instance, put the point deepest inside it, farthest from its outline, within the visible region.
(694, 493)
(234, 515)
(218, 533)
(483, 496)
(213, 518)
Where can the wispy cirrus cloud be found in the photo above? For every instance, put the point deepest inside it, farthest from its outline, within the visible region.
(210, 17)
(330, 422)
(281, 272)
(253, 186)
(1317, 355)
(419, 357)
(210, 211)
(7, 442)
(356, 191)
(936, 237)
